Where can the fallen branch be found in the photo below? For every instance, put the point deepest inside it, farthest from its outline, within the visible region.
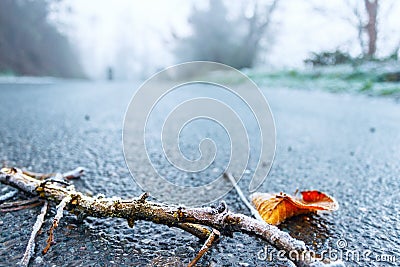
(193, 220)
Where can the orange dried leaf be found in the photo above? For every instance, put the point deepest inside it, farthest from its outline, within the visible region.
(275, 208)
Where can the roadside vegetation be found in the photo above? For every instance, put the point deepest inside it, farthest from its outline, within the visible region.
(369, 78)
(338, 71)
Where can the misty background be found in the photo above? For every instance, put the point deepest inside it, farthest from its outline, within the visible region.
(329, 69)
(133, 39)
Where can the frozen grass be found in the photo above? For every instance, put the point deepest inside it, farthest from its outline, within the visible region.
(366, 79)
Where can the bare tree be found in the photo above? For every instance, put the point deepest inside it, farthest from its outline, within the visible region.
(364, 19)
(232, 41)
(258, 24)
(363, 16)
(371, 27)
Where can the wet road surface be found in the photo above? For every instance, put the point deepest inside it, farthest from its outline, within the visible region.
(345, 145)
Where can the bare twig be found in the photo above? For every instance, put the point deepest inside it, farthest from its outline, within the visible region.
(20, 204)
(30, 248)
(37, 175)
(7, 196)
(253, 211)
(197, 230)
(219, 218)
(76, 173)
(57, 218)
(54, 181)
(22, 207)
(207, 245)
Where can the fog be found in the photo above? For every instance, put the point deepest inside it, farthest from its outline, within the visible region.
(136, 37)
(132, 39)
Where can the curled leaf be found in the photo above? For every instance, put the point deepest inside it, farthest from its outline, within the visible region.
(275, 208)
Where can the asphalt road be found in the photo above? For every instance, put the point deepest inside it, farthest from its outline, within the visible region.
(346, 145)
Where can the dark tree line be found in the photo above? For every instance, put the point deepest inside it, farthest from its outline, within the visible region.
(31, 45)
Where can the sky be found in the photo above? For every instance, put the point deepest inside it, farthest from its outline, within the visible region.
(136, 37)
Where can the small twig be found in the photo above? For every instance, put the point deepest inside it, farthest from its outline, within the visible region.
(207, 245)
(78, 172)
(253, 211)
(35, 204)
(197, 230)
(20, 204)
(37, 175)
(7, 196)
(144, 196)
(54, 181)
(57, 218)
(30, 248)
